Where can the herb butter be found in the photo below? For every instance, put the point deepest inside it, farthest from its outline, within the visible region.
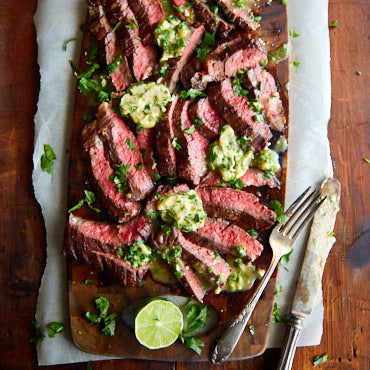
(229, 155)
(184, 211)
(145, 103)
(267, 160)
(137, 255)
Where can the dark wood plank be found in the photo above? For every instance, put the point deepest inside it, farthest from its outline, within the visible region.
(22, 246)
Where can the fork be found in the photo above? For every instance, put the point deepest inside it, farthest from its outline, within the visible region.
(281, 240)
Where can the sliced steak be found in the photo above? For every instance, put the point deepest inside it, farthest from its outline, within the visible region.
(123, 149)
(190, 156)
(96, 243)
(142, 58)
(253, 177)
(230, 57)
(147, 13)
(264, 87)
(237, 112)
(145, 139)
(219, 235)
(175, 65)
(211, 21)
(163, 144)
(193, 253)
(211, 120)
(182, 270)
(241, 16)
(109, 46)
(117, 205)
(234, 205)
(191, 76)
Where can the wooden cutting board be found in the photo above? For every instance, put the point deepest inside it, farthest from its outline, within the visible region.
(87, 337)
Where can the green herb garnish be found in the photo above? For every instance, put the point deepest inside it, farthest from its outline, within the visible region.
(205, 46)
(192, 94)
(285, 258)
(253, 233)
(130, 145)
(317, 360)
(89, 200)
(132, 24)
(293, 33)
(39, 335)
(67, 42)
(334, 24)
(190, 130)
(276, 315)
(119, 177)
(47, 159)
(251, 329)
(55, 328)
(116, 26)
(276, 206)
(175, 144)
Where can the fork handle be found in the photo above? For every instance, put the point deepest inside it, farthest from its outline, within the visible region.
(230, 338)
(290, 343)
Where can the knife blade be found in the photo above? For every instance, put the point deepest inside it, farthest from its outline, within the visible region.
(319, 244)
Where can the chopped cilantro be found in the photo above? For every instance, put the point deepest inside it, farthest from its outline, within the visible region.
(119, 177)
(89, 199)
(116, 26)
(317, 360)
(47, 159)
(198, 121)
(87, 118)
(93, 51)
(132, 24)
(55, 328)
(279, 289)
(192, 94)
(253, 233)
(39, 335)
(130, 145)
(205, 46)
(175, 144)
(366, 160)
(284, 2)
(88, 282)
(139, 166)
(113, 65)
(334, 24)
(67, 42)
(276, 206)
(276, 315)
(237, 85)
(190, 130)
(285, 258)
(293, 33)
(295, 64)
(251, 329)
(359, 73)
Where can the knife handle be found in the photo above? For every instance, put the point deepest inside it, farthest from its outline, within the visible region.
(290, 343)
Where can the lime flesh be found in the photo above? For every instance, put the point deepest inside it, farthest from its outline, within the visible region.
(158, 324)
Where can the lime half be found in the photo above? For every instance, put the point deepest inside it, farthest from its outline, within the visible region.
(158, 324)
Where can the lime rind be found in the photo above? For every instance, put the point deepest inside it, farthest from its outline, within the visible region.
(158, 324)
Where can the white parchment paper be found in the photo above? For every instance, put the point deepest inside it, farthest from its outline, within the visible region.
(309, 154)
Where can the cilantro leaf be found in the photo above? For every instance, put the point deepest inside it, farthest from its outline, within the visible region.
(253, 233)
(47, 159)
(295, 64)
(205, 46)
(279, 289)
(110, 325)
(88, 282)
(175, 144)
(190, 130)
(67, 42)
(115, 62)
(276, 206)
(334, 24)
(130, 145)
(194, 343)
(285, 258)
(93, 318)
(89, 72)
(237, 184)
(102, 305)
(198, 121)
(55, 328)
(119, 177)
(89, 199)
(238, 89)
(293, 33)
(317, 360)
(192, 94)
(92, 53)
(276, 315)
(39, 335)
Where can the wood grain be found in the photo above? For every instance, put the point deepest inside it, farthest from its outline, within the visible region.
(22, 243)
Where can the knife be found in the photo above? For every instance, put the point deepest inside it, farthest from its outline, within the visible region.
(318, 247)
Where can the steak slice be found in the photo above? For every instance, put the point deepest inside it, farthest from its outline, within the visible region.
(264, 87)
(221, 236)
(211, 21)
(193, 253)
(211, 120)
(234, 205)
(237, 112)
(117, 205)
(109, 46)
(241, 16)
(96, 243)
(142, 58)
(253, 177)
(229, 57)
(175, 65)
(147, 13)
(188, 74)
(182, 270)
(145, 139)
(190, 158)
(124, 149)
(164, 148)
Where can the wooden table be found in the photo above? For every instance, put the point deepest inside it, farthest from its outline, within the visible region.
(22, 233)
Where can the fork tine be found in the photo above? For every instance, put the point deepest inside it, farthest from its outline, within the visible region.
(296, 213)
(307, 219)
(296, 202)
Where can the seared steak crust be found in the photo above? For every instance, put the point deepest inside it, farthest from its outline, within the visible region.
(234, 205)
(221, 236)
